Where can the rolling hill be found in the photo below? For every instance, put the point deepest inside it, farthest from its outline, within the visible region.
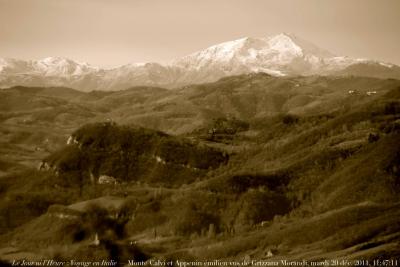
(253, 167)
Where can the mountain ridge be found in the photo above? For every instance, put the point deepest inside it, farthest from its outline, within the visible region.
(280, 55)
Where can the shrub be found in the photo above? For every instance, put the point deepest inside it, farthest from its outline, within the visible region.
(196, 211)
(191, 220)
(258, 206)
(290, 119)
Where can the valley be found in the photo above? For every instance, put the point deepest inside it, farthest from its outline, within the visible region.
(251, 167)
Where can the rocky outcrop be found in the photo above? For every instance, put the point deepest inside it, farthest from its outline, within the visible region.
(43, 166)
(63, 212)
(72, 140)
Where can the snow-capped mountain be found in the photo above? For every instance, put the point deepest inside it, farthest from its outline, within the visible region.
(50, 66)
(280, 55)
(272, 54)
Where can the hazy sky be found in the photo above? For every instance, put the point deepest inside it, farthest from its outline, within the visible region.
(115, 32)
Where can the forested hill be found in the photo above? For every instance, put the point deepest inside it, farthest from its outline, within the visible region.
(132, 154)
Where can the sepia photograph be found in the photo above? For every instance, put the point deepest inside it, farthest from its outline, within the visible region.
(191, 133)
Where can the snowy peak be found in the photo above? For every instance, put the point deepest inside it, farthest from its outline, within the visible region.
(292, 42)
(55, 61)
(52, 66)
(221, 52)
(257, 53)
(284, 43)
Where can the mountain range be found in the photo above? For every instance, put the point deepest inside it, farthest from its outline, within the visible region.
(279, 55)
